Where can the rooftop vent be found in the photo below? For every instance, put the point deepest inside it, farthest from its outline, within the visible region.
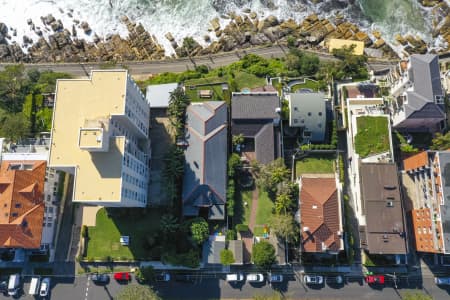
(306, 229)
(390, 204)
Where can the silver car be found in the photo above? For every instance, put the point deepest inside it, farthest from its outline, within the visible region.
(313, 279)
(255, 277)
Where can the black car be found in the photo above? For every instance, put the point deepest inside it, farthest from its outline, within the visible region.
(184, 278)
(3, 287)
(100, 278)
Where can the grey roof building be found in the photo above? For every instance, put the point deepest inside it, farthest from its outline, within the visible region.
(308, 111)
(158, 95)
(205, 171)
(419, 105)
(384, 232)
(255, 116)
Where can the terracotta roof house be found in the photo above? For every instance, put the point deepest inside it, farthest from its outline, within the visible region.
(418, 96)
(255, 116)
(429, 172)
(21, 198)
(320, 215)
(205, 170)
(384, 228)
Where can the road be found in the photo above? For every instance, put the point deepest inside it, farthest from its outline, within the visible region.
(212, 287)
(183, 64)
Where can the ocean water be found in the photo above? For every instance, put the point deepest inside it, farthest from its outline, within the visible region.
(191, 17)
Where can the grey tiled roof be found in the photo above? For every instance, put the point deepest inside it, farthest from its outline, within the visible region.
(204, 182)
(254, 106)
(425, 76)
(264, 144)
(427, 79)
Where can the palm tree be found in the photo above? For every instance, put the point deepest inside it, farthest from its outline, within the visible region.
(283, 203)
(168, 224)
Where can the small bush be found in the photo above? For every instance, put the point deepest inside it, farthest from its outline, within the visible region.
(242, 227)
(84, 231)
(230, 235)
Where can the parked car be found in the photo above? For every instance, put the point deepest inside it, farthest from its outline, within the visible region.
(14, 284)
(313, 279)
(122, 276)
(34, 286)
(255, 277)
(163, 277)
(100, 278)
(45, 287)
(4, 287)
(375, 279)
(237, 277)
(273, 278)
(442, 280)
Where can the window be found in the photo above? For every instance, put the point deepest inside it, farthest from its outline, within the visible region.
(295, 121)
(307, 134)
(50, 209)
(295, 108)
(319, 125)
(309, 114)
(14, 214)
(320, 113)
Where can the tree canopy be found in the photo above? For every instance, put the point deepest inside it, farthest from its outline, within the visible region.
(441, 141)
(137, 292)
(226, 257)
(284, 226)
(263, 254)
(199, 230)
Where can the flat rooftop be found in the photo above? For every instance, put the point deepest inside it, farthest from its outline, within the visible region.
(91, 138)
(98, 175)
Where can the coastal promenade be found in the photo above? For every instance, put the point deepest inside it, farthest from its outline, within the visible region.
(183, 64)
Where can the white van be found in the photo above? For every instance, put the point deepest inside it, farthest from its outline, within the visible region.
(34, 286)
(13, 284)
(235, 277)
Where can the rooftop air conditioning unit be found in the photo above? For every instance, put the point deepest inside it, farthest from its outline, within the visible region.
(306, 229)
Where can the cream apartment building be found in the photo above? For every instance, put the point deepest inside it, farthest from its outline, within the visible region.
(100, 135)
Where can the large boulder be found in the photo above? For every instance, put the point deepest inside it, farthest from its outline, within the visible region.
(259, 39)
(4, 51)
(3, 28)
(215, 25)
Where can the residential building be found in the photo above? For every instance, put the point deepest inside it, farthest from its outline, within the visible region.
(22, 201)
(205, 170)
(427, 174)
(100, 135)
(417, 102)
(158, 96)
(384, 228)
(308, 111)
(320, 214)
(256, 117)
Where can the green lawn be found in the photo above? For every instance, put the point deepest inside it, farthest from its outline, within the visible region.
(247, 197)
(247, 80)
(309, 84)
(264, 211)
(372, 136)
(104, 237)
(315, 164)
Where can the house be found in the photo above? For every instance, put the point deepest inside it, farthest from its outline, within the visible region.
(427, 173)
(383, 231)
(256, 117)
(308, 111)
(158, 96)
(100, 135)
(340, 43)
(320, 215)
(418, 98)
(22, 201)
(205, 170)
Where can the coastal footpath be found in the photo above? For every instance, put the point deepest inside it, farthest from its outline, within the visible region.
(243, 31)
(149, 67)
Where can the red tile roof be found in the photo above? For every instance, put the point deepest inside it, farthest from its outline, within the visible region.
(21, 202)
(319, 209)
(416, 161)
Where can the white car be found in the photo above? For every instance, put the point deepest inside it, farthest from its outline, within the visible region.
(313, 279)
(255, 277)
(45, 287)
(235, 277)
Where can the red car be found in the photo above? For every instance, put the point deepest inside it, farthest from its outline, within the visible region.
(122, 276)
(375, 279)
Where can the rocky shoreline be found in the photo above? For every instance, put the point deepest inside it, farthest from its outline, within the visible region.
(243, 31)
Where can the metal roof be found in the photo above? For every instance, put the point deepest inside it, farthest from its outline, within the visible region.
(158, 95)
